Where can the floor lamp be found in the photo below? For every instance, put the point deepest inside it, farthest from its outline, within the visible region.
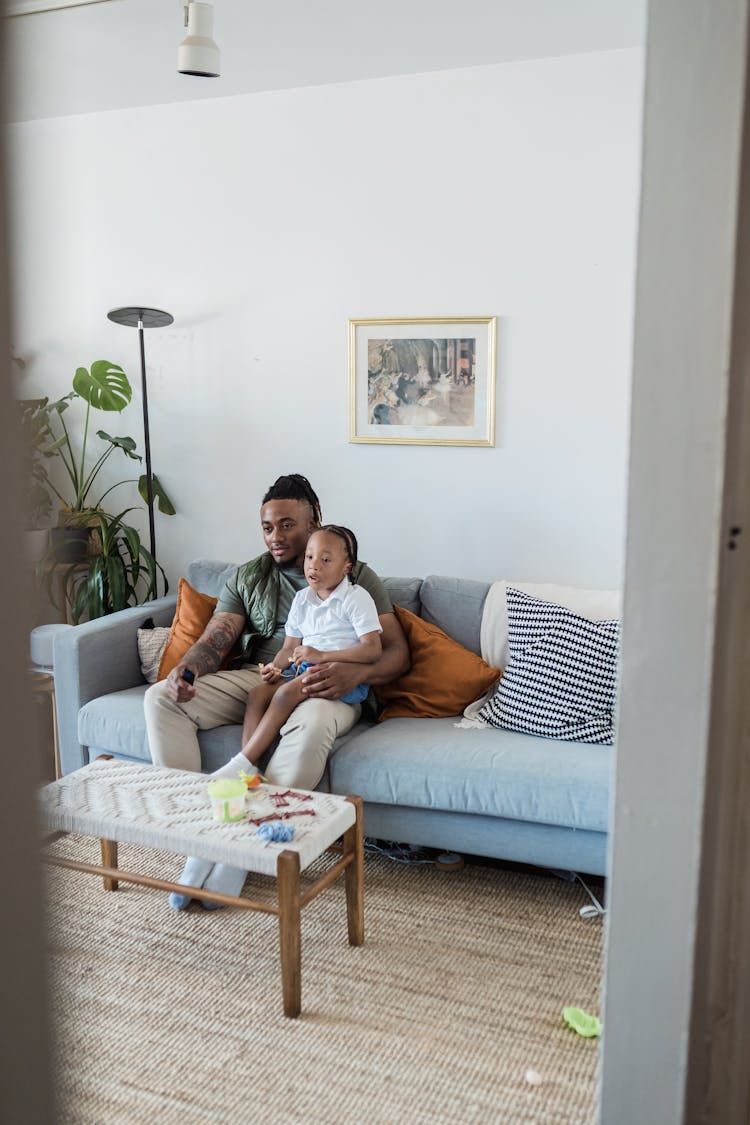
(135, 317)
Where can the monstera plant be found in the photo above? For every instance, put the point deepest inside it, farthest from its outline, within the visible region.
(119, 570)
(105, 387)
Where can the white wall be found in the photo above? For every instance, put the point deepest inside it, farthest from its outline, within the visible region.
(263, 222)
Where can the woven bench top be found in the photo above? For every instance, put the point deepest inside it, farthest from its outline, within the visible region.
(170, 810)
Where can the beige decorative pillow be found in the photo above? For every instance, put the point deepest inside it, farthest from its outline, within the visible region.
(151, 645)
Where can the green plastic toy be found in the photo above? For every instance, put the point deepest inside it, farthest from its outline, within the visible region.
(227, 798)
(582, 1023)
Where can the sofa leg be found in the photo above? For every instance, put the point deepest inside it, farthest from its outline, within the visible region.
(449, 861)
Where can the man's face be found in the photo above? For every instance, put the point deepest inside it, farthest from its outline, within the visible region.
(287, 525)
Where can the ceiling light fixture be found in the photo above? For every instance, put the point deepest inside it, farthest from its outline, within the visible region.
(197, 54)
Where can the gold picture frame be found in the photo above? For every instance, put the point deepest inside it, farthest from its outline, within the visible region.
(422, 380)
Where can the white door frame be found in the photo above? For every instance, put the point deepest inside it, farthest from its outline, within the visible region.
(680, 850)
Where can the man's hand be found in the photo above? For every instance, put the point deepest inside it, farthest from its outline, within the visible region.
(308, 653)
(331, 680)
(178, 689)
(205, 655)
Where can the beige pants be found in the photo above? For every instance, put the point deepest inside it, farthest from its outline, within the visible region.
(306, 737)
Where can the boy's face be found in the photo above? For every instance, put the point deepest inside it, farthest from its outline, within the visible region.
(326, 562)
(287, 525)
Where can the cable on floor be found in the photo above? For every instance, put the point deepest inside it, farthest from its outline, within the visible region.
(594, 909)
(399, 853)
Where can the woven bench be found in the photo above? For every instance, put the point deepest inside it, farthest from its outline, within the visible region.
(122, 802)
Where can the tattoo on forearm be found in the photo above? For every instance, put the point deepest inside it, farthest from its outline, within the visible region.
(204, 659)
(207, 655)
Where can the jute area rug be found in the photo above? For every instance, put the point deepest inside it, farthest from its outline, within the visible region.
(458, 990)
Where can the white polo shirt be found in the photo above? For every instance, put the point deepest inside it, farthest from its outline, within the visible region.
(338, 622)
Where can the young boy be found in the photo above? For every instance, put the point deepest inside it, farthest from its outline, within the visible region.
(329, 620)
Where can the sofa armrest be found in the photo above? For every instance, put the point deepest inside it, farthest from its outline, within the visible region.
(96, 658)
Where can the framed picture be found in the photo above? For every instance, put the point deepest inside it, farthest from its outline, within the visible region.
(425, 381)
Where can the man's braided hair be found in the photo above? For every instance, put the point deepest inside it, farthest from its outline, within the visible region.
(294, 487)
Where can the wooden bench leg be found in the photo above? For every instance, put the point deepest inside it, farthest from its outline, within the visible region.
(355, 877)
(287, 873)
(109, 859)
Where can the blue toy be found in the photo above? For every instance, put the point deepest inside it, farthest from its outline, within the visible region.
(276, 832)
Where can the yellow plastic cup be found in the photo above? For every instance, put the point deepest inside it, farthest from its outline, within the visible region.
(227, 799)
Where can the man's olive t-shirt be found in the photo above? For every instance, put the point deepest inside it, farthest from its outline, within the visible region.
(292, 580)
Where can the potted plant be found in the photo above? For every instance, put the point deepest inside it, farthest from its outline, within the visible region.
(120, 571)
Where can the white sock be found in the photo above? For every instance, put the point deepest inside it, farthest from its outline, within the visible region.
(234, 767)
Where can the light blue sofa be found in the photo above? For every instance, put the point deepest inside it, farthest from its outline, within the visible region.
(424, 781)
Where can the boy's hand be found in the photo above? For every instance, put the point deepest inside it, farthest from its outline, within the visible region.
(269, 673)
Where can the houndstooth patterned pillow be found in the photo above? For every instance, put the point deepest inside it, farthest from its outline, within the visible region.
(561, 679)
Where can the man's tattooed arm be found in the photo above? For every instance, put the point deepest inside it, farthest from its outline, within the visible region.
(208, 653)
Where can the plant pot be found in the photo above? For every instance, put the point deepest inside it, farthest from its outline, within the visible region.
(69, 544)
(87, 529)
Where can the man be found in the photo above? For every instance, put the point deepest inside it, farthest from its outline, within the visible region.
(253, 609)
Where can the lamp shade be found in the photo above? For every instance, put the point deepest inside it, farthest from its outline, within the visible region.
(198, 54)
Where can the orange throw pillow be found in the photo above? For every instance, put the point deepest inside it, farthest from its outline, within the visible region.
(444, 677)
(193, 613)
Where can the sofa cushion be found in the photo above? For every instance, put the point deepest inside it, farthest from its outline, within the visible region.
(192, 615)
(115, 723)
(405, 592)
(561, 679)
(432, 764)
(210, 575)
(444, 677)
(455, 605)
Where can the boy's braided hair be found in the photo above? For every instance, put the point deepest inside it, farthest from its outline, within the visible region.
(348, 538)
(294, 487)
